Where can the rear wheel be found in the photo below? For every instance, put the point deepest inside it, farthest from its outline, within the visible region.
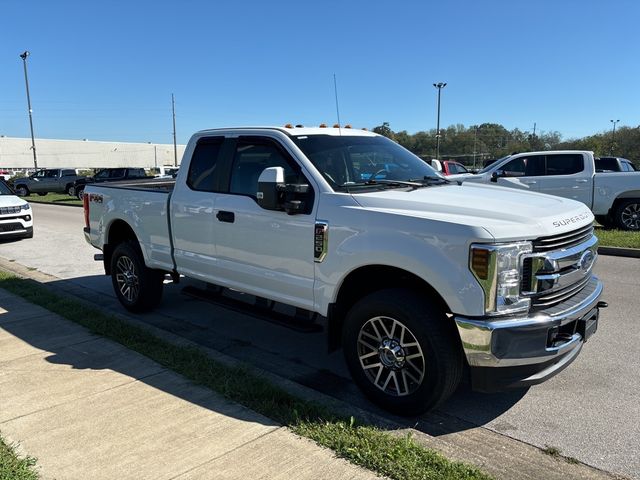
(69, 190)
(80, 193)
(137, 287)
(402, 351)
(628, 215)
(42, 194)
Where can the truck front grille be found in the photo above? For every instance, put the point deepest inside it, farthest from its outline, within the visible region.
(559, 267)
(563, 240)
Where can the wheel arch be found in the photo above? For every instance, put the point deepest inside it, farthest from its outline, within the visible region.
(119, 231)
(623, 197)
(368, 279)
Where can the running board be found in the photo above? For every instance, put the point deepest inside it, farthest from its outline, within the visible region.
(300, 320)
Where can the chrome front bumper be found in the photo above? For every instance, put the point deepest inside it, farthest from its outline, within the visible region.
(525, 341)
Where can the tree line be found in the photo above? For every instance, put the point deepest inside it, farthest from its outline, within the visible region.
(488, 141)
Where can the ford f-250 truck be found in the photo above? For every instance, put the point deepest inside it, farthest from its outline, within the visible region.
(614, 198)
(416, 277)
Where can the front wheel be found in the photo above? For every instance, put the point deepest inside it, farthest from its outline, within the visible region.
(138, 288)
(22, 191)
(80, 193)
(628, 215)
(402, 351)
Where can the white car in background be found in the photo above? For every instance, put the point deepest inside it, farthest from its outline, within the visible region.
(16, 217)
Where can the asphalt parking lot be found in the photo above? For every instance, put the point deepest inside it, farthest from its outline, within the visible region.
(591, 411)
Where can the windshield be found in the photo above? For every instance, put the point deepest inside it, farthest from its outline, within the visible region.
(492, 164)
(351, 161)
(5, 190)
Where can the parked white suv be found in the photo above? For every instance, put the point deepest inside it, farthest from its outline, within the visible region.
(16, 217)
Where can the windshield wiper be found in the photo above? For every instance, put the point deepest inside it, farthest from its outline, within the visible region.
(430, 180)
(403, 183)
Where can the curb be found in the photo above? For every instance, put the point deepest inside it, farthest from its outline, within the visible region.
(51, 203)
(499, 455)
(620, 252)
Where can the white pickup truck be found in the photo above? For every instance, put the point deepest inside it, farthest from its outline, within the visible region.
(614, 197)
(419, 279)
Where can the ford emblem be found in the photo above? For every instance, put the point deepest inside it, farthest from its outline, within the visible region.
(586, 260)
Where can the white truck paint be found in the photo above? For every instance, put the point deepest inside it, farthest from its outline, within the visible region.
(417, 276)
(614, 197)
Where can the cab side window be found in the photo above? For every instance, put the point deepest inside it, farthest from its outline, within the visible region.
(565, 164)
(203, 170)
(525, 166)
(250, 159)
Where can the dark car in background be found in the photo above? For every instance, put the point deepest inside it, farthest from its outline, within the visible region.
(47, 180)
(106, 175)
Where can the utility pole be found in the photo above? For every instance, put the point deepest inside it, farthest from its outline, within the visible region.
(24, 56)
(534, 129)
(475, 142)
(439, 86)
(175, 147)
(613, 136)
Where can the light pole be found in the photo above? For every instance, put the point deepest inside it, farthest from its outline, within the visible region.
(24, 56)
(613, 136)
(439, 86)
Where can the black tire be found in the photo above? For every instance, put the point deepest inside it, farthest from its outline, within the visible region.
(605, 221)
(138, 288)
(42, 194)
(68, 189)
(22, 191)
(80, 193)
(627, 215)
(398, 385)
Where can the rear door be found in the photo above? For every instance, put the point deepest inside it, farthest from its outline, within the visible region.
(566, 176)
(192, 208)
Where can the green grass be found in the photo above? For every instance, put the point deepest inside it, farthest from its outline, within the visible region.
(618, 238)
(14, 468)
(55, 198)
(364, 445)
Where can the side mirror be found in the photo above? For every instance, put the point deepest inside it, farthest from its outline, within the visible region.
(274, 194)
(270, 182)
(497, 174)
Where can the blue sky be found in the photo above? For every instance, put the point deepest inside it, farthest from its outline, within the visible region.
(106, 70)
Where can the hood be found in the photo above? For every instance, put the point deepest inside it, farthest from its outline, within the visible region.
(11, 201)
(507, 214)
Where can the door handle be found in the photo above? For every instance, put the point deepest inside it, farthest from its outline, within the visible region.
(228, 217)
(582, 180)
(529, 182)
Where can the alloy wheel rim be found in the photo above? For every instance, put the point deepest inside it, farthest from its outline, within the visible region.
(391, 356)
(127, 279)
(631, 216)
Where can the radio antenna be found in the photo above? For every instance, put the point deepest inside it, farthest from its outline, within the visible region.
(335, 90)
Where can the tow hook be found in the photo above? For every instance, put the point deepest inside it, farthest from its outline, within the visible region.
(602, 304)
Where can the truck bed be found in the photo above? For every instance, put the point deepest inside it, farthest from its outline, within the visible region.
(154, 184)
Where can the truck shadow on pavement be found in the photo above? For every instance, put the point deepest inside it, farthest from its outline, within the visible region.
(301, 357)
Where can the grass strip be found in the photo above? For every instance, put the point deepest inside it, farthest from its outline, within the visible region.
(618, 238)
(54, 198)
(13, 467)
(364, 445)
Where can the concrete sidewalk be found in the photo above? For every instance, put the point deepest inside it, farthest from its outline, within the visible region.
(88, 408)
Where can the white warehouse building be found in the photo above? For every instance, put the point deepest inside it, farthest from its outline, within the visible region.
(16, 153)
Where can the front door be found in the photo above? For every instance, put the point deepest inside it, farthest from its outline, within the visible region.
(263, 252)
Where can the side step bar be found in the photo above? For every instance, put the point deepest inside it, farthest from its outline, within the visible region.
(299, 319)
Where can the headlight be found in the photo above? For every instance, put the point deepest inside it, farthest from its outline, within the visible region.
(25, 207)
(498, 270)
